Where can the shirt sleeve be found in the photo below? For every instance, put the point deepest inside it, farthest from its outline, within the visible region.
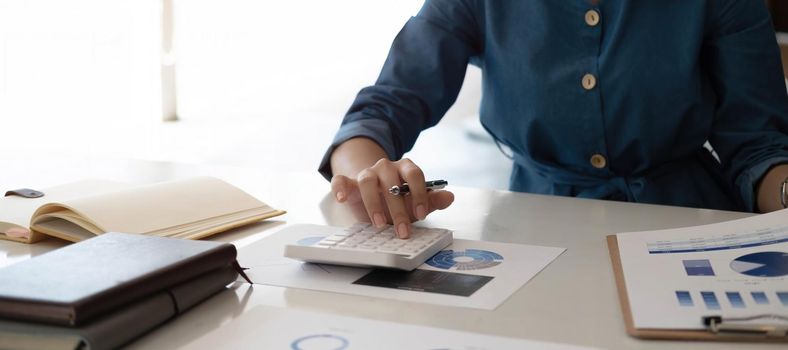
(749, 128)
(419, 81)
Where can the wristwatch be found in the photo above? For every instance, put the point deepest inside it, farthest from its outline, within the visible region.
(784, 193)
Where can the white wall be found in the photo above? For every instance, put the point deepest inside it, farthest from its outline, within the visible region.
(254, 77)
(76, 73)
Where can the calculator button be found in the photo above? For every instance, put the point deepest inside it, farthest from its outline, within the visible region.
(371, 230)
(357, 227)
(387, 234)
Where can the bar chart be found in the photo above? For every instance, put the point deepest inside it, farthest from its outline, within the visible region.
(712, 300)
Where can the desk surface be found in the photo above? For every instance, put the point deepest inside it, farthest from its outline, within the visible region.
(572, 301)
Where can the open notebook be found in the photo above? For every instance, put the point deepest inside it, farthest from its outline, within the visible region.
(193, 208)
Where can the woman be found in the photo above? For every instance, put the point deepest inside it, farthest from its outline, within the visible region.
(608, 99)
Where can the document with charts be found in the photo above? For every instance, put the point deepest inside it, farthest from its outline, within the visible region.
(473, 274)
(275, 328)
(733, 269)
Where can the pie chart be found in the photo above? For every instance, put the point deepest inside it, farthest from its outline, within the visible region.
(469, 259)
(320, 342)
(762, 264)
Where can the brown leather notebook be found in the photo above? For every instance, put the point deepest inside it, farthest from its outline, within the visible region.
(120, 326)
(80, 282)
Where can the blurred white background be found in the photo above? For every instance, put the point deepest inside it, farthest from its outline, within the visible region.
(259, 83)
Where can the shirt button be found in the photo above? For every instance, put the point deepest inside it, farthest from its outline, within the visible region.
(589, 81)
(592, 18)
(598, 161)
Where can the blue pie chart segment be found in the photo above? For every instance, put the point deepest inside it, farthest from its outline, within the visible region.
(762, 264)
(469, 259)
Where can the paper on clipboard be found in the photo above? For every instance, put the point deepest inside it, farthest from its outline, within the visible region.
(670, 279)
(482, 283)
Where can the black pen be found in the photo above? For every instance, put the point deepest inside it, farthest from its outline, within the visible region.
(405, 189)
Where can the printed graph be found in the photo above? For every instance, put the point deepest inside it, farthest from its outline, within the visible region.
(684, 297)
(469, 259)
(722, 242)
(783, 296)
(710, 299)
(320, 341)
(762, 264)
(698, 267)
(760, 298)
(735, 299)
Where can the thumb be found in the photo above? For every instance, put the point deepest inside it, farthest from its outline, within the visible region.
(440, 200)
(340, 187)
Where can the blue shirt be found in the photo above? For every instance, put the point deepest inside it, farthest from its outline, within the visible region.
(609, 99)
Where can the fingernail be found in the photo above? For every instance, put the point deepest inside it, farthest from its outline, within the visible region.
(403, 231)
(421, 212)
(340, 196)
(378, 220)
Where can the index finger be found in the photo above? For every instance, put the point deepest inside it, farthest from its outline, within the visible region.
(413, 175)
(389, 176)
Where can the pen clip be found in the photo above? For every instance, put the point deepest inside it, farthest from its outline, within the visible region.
(740, 325)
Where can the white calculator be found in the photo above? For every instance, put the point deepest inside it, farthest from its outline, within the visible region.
(368, 246)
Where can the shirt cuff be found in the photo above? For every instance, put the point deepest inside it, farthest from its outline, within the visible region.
(374, 129)
(747, 181)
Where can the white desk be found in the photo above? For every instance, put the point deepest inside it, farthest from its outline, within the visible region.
(572, 301)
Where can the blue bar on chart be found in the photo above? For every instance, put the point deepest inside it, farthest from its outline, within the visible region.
(685, 299)
(698, 267)
(710, 300)
(783, 296)
(760, 298)
(735, 299)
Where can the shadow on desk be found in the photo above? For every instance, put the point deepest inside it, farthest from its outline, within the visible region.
(336, 214)
(246, 234)
(220, 309)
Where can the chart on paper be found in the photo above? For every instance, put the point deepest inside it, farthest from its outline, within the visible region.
(762, 264)
(469, 259)
(472, 274)
(278, 328)
(739, 300)
(735, 269)
(723, 242)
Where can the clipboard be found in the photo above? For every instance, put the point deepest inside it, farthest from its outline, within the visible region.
(715, 330)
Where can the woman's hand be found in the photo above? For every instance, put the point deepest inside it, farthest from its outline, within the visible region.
(368, 193)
